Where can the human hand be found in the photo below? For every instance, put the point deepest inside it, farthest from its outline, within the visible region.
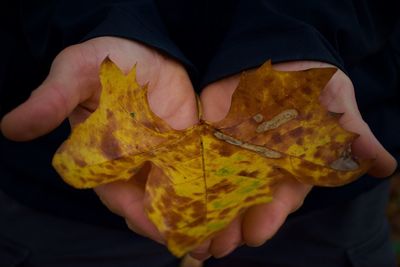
(72, 90)
(259, 223)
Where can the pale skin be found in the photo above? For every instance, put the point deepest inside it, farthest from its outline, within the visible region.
(72, 89)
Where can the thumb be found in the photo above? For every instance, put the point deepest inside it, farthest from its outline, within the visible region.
(67, 85)
(367, 146)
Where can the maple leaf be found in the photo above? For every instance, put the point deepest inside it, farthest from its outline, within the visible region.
(275, 129)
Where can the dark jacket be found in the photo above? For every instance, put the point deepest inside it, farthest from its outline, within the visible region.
(213, 39)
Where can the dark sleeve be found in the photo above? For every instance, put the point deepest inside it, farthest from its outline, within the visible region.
(339, 32)
(53, 26)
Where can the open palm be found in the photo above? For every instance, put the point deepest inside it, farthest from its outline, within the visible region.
(261, 222)
(72, 91)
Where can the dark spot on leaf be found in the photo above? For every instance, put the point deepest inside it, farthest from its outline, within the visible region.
(305, 165)
(224, 212)
(105, 175)
(167, 201)
(267, 81)
(276, 138)
(109, 145)
(172, 218)
(181, 239)
(317, 154)
(297, 132)
(147, 124)
(198, 209)
(252, 174)
(300, 141)
(178, 158)
(109, 167)
(223, 186)
(309, 131)
(225, 150)
(211, 197)
(307, 90)
(80, 162)
(254, 197)
(63, 167)
(110, 114)
(197, 222)
(150, 209)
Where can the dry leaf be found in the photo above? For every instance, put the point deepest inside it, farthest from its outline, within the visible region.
(276, 129)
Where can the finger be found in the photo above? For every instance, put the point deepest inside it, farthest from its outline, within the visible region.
(227, 240)
(338, 96)
(216, 98)
(69, 83)
(262, 221)
(368, 147)
(202, 251)
(126, 198)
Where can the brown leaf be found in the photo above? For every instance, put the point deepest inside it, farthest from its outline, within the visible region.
(211, 172)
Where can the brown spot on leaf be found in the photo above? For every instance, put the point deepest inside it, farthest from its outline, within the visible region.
(276, 138)
(198, 209)
(252, 174)
(307, 90)
(110, 114)
(317, 154)
(223, 186)
(305, 165)
(80, 162)
(104, 176)
(178, 158)
(308, 131)
(63, 167)
(172, 218)
(225, 150)
(300, 141)
(109, 166)
(297, 132)
(268, 80)
(211, 197)
(181, 239)
(109, 145)
(254, 197)
(150, 209)
(167, 201)
(197, 222)
(224, 212)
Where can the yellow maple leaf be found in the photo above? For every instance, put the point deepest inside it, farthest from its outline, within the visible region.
(275, 129)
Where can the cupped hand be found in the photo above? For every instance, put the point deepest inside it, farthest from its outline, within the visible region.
(72, 91)
(259, 223)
